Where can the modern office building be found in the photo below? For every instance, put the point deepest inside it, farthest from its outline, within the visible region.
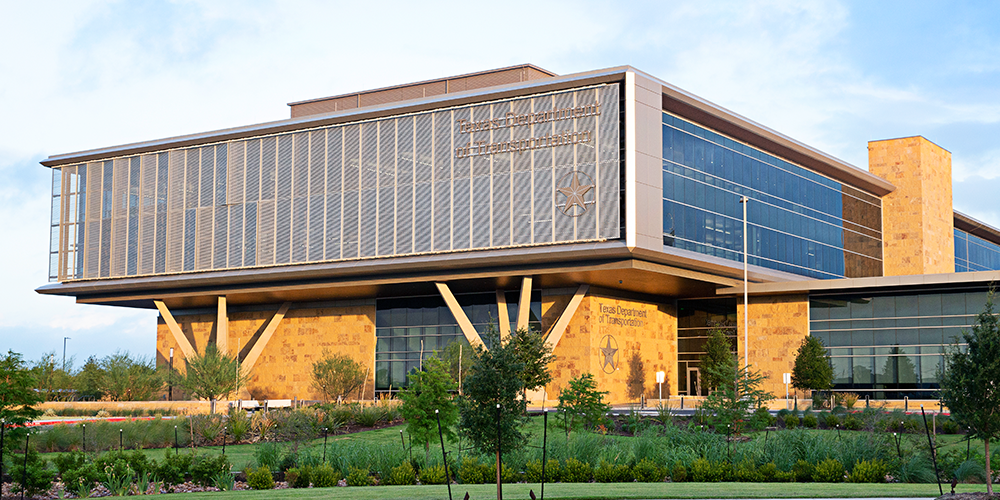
(603, 208)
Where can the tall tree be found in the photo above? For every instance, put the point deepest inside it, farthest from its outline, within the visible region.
(212, 375)
(495, 379)
(969, 382)
(338, 375)
(812, 370)
(535, 354)
(429, 390)
(718, 359)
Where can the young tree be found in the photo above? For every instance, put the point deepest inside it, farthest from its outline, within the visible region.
(718, 359)
(52, 381)
(581, 404)
(88, 380)
(535, 354)
(17, 395)
(635, 384)
(812, 370)
(128, 379)
(733, 400)
(457, 358)
(212, 375)
(495, 379)
(429, 390)
(969, 383)
(337, 375)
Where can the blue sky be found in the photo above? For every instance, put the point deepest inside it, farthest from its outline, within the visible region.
(81, 75)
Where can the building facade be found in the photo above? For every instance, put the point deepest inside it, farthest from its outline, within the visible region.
(601, 208)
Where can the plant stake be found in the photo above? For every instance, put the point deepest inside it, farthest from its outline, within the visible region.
(444, 455)
(937, 476)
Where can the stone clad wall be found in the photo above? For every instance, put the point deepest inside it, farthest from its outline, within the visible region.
(918, 217)
(284, 368)
(634, 326)
(778, 324)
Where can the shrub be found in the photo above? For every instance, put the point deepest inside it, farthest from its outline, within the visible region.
(297, 477)
(829, 471)
(791, 421)
(432, 475)
(868, 471)
(950, 427)
(581, 404)
(338, 376)
(174, 467)
(831, 420)
(705, 471)
(679, 473)
(761, 418)
(69, 461)
(324, 476)
(647, 471)
(575, 471)
(507, 474)
(357, 476)
(810, 421)
(853, 423)
(205, 468)
(84, 476)
(260, 478)
(772, 474)
(747, 472)
(533, 471)
(403, 474)
(803, 471)
(472, 472)
(38, 478)
(612, 473)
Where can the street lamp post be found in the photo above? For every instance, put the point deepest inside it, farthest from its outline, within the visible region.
(64, 352)
(170, 386)
(660, 377)
(746, 294)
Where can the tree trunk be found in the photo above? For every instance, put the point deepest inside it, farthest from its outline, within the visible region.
(989, 473)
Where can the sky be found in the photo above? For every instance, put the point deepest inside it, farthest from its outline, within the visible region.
(81, 75)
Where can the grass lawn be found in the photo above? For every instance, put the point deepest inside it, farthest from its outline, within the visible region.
(604, 491)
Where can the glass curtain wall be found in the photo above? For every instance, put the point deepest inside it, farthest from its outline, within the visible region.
(798, 221)
(973, 253)
(891, 346)
(409, 330)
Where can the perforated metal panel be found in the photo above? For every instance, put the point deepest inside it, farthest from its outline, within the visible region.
(480, 176)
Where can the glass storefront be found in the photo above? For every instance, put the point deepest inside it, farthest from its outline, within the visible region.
(973, 253)
(409, 330)
(695, 320)
(891, 346)
(798, 221)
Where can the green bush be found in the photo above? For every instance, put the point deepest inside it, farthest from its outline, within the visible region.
(831, 421)
(772, 474)
(38, 479)
(324, 476)
(402, 474)
(810, 421)
(647, 471)
(174, 467)
(507, 474)
(791, 421)
(432, 475)
(473, 472)
(533, 471)
(204, 468)
(829, 471)
(297, 477)
(679, 473)
(868, 471)
(260, 478)
(84, 476)
(853, 423)
(747, 472)
(575, 471)
(606, 472)
(357, 476)
(803, 471)
(705, 471)
(949, 426)
(761, 419)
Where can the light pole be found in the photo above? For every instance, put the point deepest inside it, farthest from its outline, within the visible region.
(64, 352)
(170, 386)
(660, 377)
(746, 294)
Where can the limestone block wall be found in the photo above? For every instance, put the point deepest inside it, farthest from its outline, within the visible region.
(918, 217)
(778, 324)
(283, 370)
(603, 334)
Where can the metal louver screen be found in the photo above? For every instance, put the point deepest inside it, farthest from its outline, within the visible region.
(533, 170)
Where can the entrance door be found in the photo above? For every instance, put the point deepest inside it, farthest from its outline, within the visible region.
(694, 382)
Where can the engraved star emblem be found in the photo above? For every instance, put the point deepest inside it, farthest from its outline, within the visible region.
(575, 193)
(609, 355)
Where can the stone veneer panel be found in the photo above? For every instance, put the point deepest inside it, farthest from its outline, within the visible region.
(284, 368)
(918, 217)
(777, 326)
(634, 326)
